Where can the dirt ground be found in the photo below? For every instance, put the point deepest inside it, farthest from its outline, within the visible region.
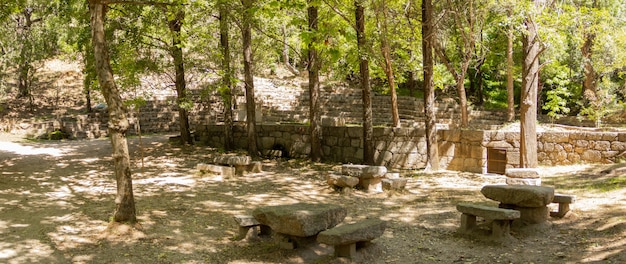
(56, 199)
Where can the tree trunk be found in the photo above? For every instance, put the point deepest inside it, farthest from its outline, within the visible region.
(528, 102)
(118, 123)
(432, 162)
(285, 52)
(589, 84)
(175, 25)
(368, 129)
(510, 89)
(249, 80)
(227, 92)
(314, 87)
(411, 83)
(460, 89)
(388, 67)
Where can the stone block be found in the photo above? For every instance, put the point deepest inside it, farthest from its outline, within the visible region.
(397, 184)
(365, 230)
(225, 171)
(519, 195)
(300, 219)
(522, 173)
(371, 184)
(363, 171)
(342, 180)
(521, 181)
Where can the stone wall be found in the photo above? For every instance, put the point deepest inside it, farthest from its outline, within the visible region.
(394, 147)
(405, 148)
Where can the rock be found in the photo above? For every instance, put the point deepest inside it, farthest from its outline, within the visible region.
(519, 195)
(394, 184)
(517, 181)
(524, 173)
(363, 171)
(342, 180)
(365, 230)
(301, 219)
(232, 160)
(216, 169)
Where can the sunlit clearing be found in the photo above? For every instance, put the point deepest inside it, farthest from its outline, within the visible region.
(26, 251)
(29, 150)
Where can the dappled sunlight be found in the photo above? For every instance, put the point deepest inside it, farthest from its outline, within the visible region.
(25, 251)
(21, 149)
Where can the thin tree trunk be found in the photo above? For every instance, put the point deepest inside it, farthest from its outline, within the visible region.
(510, 89)
(432, 147)
(528, 102)
(285, 52)
(118, 122)
(175, 26)
(589, 83)
(388, 67)
(314, 87)
(368, 129)
(227, 94)
(249, 80)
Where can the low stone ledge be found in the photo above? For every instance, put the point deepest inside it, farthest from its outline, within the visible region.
(564, 202)
(342, 181)
(225, 171)
(501, 218)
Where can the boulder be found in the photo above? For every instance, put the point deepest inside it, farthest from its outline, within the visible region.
(394, 184)
(519, 195)
(301, 219)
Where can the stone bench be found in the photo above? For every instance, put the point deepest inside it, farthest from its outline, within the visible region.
(347, 238)
(564, 201)
(343, 182)
(370, 177)
(247, 223)
(230, 165)
(501, 218)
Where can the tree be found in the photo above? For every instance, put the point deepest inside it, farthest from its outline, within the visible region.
(175, 23)
(314, 84)
(248, 77)
(428, 35)
(227, 74)
(381, 17)
(510, 89)
(368, 129)
(528, 101)
(118, 122)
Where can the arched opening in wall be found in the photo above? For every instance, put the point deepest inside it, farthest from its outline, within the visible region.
(496, 160)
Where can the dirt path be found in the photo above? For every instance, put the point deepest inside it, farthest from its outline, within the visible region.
(56, 199)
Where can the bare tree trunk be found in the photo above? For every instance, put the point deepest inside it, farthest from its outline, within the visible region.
(432, 144)
(227, 94)
(368, 129)
(510, 89)
(288, 65)
(589, 84)
(118, 122)
(528, 102)
(175, 25)
(388, 67)
(314, 87)
(253, 149)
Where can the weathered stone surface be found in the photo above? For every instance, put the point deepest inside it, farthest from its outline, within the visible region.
(519, 195)
(365, 230)
(301, 219)
(519, 181)
(563, 198)
(216, 169)
(525, 173)
(488, 212)
(342, 180)
(232, 160)
(246, 220)
(363, 171)
(394, 184)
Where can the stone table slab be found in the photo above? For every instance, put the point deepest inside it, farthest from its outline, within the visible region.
(519, 195)
(300, 219)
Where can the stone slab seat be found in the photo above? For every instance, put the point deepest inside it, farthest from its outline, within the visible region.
(246, 223)
(370, 177)
(501, 218)
(225, 171)
(564, 201)
(347, 238)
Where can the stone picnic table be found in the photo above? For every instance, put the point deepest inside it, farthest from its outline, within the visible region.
(530, 200)
(297, 223)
